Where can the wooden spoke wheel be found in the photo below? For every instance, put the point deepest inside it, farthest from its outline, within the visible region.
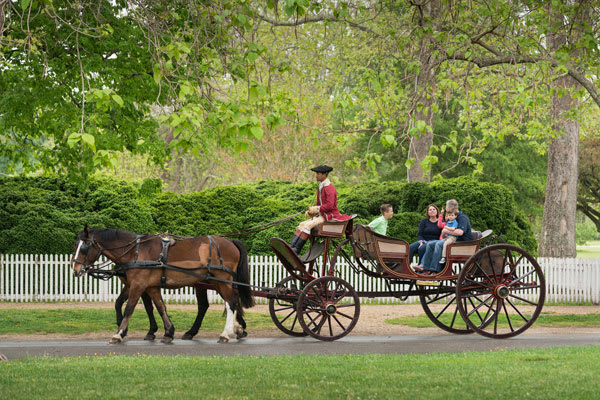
(328, 308)
(501, 291)
(283, 311)
(440, 305)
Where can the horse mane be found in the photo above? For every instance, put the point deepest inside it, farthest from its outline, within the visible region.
(110, 235)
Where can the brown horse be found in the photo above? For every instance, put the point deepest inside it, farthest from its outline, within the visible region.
(214, 259)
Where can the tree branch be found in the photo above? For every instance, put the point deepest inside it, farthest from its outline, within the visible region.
(316, 18)
(522, 59)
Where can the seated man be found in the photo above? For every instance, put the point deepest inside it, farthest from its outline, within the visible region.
(324, 210)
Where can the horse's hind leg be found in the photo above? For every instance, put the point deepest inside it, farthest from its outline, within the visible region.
(154, 293)
(202, 299)
(228, 331)
(150, 312)
(239, 325)
(231, 325)
(241, 332)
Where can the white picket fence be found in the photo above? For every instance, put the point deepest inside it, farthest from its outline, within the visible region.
(37, 278)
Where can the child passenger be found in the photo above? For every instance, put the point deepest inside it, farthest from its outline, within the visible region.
(447, 228)
(380, 223)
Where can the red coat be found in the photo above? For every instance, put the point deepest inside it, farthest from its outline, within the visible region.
(327, 200)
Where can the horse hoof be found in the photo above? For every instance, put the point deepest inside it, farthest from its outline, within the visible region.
(242, 335)
(150, 337)
(187, 336)
(116, 339)
(223, 339)
(167, 340)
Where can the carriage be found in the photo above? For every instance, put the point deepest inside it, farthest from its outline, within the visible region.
(496, 290)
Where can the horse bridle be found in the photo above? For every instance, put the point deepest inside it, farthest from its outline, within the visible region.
(83, 247)
(85, 244)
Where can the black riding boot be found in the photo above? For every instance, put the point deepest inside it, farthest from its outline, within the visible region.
(293, 241)
(297, 244)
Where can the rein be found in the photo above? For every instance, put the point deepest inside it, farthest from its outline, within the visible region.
(261, 227)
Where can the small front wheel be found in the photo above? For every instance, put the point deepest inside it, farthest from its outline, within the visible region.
(284, 311)
(328, 308)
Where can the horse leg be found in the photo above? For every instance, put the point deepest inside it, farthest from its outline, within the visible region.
(231, 307)
(228, 331)
(202, 300)
(241, 332)
(162, 311)
(150, 311)
(239, 325)
(119, 306)
(134, 296)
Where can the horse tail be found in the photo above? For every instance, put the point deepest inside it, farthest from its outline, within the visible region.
(243, 276)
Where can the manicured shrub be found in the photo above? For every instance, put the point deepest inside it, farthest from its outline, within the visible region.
(43, 214)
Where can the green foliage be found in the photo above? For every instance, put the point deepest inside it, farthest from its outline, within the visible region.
(43, 215)
(78, 87)
(585, 231)
(405, 225)
(488, 206)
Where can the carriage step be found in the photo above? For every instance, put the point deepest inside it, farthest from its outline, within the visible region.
(428, 283)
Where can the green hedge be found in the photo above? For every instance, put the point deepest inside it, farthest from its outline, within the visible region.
(44, 214)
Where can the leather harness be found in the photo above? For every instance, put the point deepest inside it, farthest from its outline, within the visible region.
(162, 262)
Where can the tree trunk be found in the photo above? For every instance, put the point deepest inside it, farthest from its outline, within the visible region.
(560, 204)
(419, 147)
(424, 95)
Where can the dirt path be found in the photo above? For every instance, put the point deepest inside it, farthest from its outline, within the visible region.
(371, 321)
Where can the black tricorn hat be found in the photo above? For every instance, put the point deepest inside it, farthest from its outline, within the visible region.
(322, 169)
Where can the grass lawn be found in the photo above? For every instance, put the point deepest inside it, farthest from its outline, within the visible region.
(559, 373)
(545, 319)
(590, 250)
(83, 320)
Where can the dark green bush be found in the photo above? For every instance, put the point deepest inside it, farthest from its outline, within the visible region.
(44, 214)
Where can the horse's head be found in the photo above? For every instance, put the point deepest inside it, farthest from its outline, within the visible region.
(86, 252)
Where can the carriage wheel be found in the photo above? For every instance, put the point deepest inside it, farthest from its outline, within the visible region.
(440, 305)
(501, 291)
(328, 308)
(283, 312)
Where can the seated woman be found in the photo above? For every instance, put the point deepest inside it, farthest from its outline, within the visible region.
(433, 251)
(428, 230)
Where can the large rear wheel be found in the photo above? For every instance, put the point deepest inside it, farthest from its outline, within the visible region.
(440, 305)
(501, 291)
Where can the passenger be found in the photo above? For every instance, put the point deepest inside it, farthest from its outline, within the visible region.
(433, 250)
(324, 210)
(428, 230)
(380, 223)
